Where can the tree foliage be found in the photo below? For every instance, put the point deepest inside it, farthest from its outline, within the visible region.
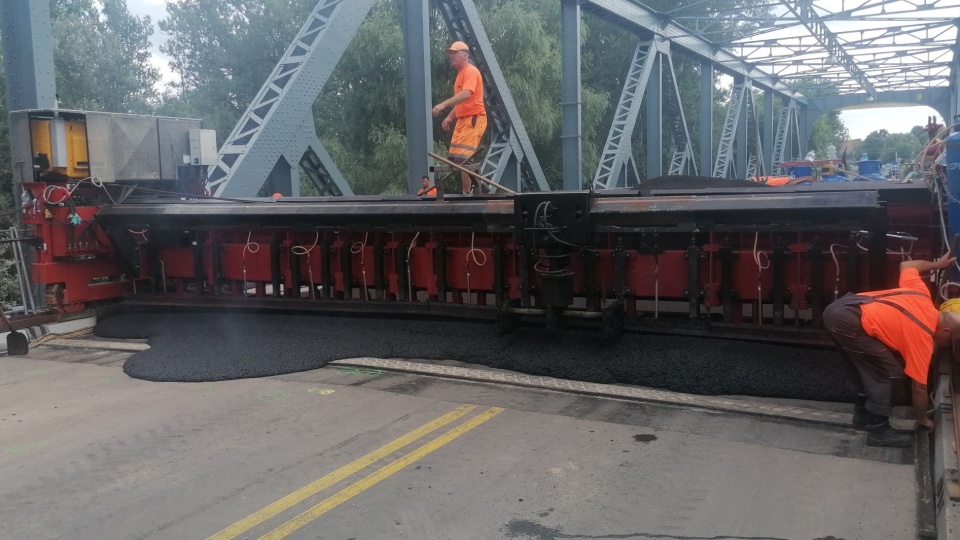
(101, 56)
(223, 51)
(224, 54)
(826, 131)
(888, 147)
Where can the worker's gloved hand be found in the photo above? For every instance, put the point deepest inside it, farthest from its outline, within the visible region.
(925, 423)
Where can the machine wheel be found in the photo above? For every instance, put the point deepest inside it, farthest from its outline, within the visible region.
(612, 322)
(17, 344)
(554, 318)
(507, 323)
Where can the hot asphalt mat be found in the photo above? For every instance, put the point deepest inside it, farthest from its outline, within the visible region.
(188, 347)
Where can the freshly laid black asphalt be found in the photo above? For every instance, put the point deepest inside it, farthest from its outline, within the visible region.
(211, 346)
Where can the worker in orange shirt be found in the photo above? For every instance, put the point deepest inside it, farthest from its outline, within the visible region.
(883, 335)
(468, 111)
(427, 189)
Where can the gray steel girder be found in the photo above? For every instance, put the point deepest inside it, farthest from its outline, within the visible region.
(808, 16)
(739, 91)
(788, 113)
(510, 157)
(753, 148)
(682, 161)
(935, 98)
(416, 42)
(611, 172)
(271, 124)
(632, 14)
(571, 138)
(28, 54)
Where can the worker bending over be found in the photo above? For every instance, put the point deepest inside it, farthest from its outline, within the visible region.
(883, 335)
(427, 189)
(468, 110)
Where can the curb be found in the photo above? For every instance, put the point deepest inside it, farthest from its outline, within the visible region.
(630, 393)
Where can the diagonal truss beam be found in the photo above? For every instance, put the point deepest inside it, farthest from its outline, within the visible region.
(635, 16)
(617, 151)
(739, 94)
(788, 119)
(803, 10)
(617, 165)
(256, 146)
(682, 161)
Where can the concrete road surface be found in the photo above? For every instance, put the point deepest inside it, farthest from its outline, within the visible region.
(86, 452)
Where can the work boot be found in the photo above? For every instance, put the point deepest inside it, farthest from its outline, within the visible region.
(889, 437)
(861, 417)
(864, 419)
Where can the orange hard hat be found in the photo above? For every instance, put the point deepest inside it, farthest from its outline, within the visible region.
(277, 195)
(458, 46)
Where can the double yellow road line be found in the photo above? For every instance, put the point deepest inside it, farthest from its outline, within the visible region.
(350, 469)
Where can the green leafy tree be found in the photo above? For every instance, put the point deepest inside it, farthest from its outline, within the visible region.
(101, 56)
(223, 51)
(224, 55)
(889, 147)
(874, 143)
(826, 131)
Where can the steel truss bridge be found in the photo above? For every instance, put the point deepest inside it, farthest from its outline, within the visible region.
(867, 51)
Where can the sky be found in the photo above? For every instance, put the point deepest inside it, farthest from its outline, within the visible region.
(860, 122)
(157, 10)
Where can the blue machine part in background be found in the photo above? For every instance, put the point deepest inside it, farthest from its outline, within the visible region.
(952, 164)
(869, 168)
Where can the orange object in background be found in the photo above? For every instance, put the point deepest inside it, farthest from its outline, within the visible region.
(774, 181)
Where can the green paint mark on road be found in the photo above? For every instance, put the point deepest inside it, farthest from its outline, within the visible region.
(274, 395)
(322, 391)
(361, 371)
(23, 447)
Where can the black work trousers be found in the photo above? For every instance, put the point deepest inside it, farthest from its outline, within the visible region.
(874, 369)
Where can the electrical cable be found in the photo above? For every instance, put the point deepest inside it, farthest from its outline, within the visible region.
(760, 268)
(243, 258)
(936, 186)
(472, 254)
(47, 191)
(836, 264)
(410, 277)
(354, 250)
(142, 233)
(300, 251)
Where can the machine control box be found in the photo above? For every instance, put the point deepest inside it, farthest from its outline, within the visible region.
(60, 144)
(203, 147)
